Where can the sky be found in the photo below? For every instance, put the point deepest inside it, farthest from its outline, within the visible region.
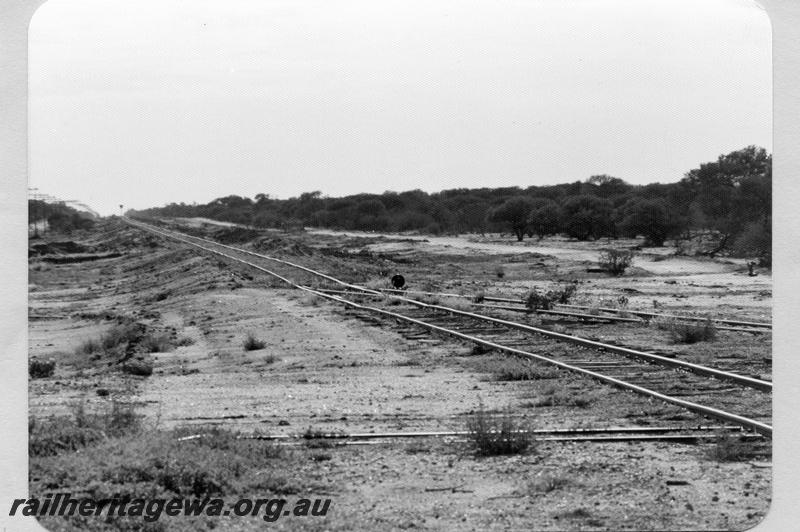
(148, 102)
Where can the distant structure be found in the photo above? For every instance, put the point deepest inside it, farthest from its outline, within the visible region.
(39, 223)
(34, 194)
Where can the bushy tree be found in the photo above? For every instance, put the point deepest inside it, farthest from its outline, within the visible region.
(755, 240)
(606, 186)
(587, 217)
(544, 218)
(514, 214)
(649, 218)
(729, 193)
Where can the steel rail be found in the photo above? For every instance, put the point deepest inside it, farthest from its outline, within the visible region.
(752, 424)
(758, 384)
(595, 317)
(676, 316)
(514, 309)
(442, 294)
(622, 438)
(603, 309)
(747, 326)
(630, 432)
(673, 438)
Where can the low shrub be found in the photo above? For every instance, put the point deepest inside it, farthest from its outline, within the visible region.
(252, 343)
(318, 439)
(500, 272)
(546, 484)
(122, 334)
(429, 300)
(479, 349)
(563, 294)
(48, 437)
(616, 261)
(731, 448)
(122, 420)
(579, 513)
(377, 284)
(456, 303)
(184, 341)
(492, 435)
(161, 464)
(408, 362)
(311, 300)
(39, 369)
(688, 333)
(535, 299)
(114, 340)
(89, 347)
(156, 343)
(140, 367)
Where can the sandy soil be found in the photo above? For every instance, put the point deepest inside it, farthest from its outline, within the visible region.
(328, 369)
(651, 259)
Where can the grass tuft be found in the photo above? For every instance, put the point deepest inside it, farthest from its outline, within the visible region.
(493, 435)
(516, 369)
(561, 396)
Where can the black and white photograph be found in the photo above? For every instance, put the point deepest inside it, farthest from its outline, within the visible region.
(379, 265)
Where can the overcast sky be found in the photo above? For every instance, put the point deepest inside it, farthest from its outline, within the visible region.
(148, 102)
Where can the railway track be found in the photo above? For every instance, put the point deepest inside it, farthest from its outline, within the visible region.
(729, 397)
(605, 434)
(608, 313)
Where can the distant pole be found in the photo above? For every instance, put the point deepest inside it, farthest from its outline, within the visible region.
(120, 210)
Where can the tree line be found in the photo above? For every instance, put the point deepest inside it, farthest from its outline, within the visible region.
(60, 218)
(728, 200)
